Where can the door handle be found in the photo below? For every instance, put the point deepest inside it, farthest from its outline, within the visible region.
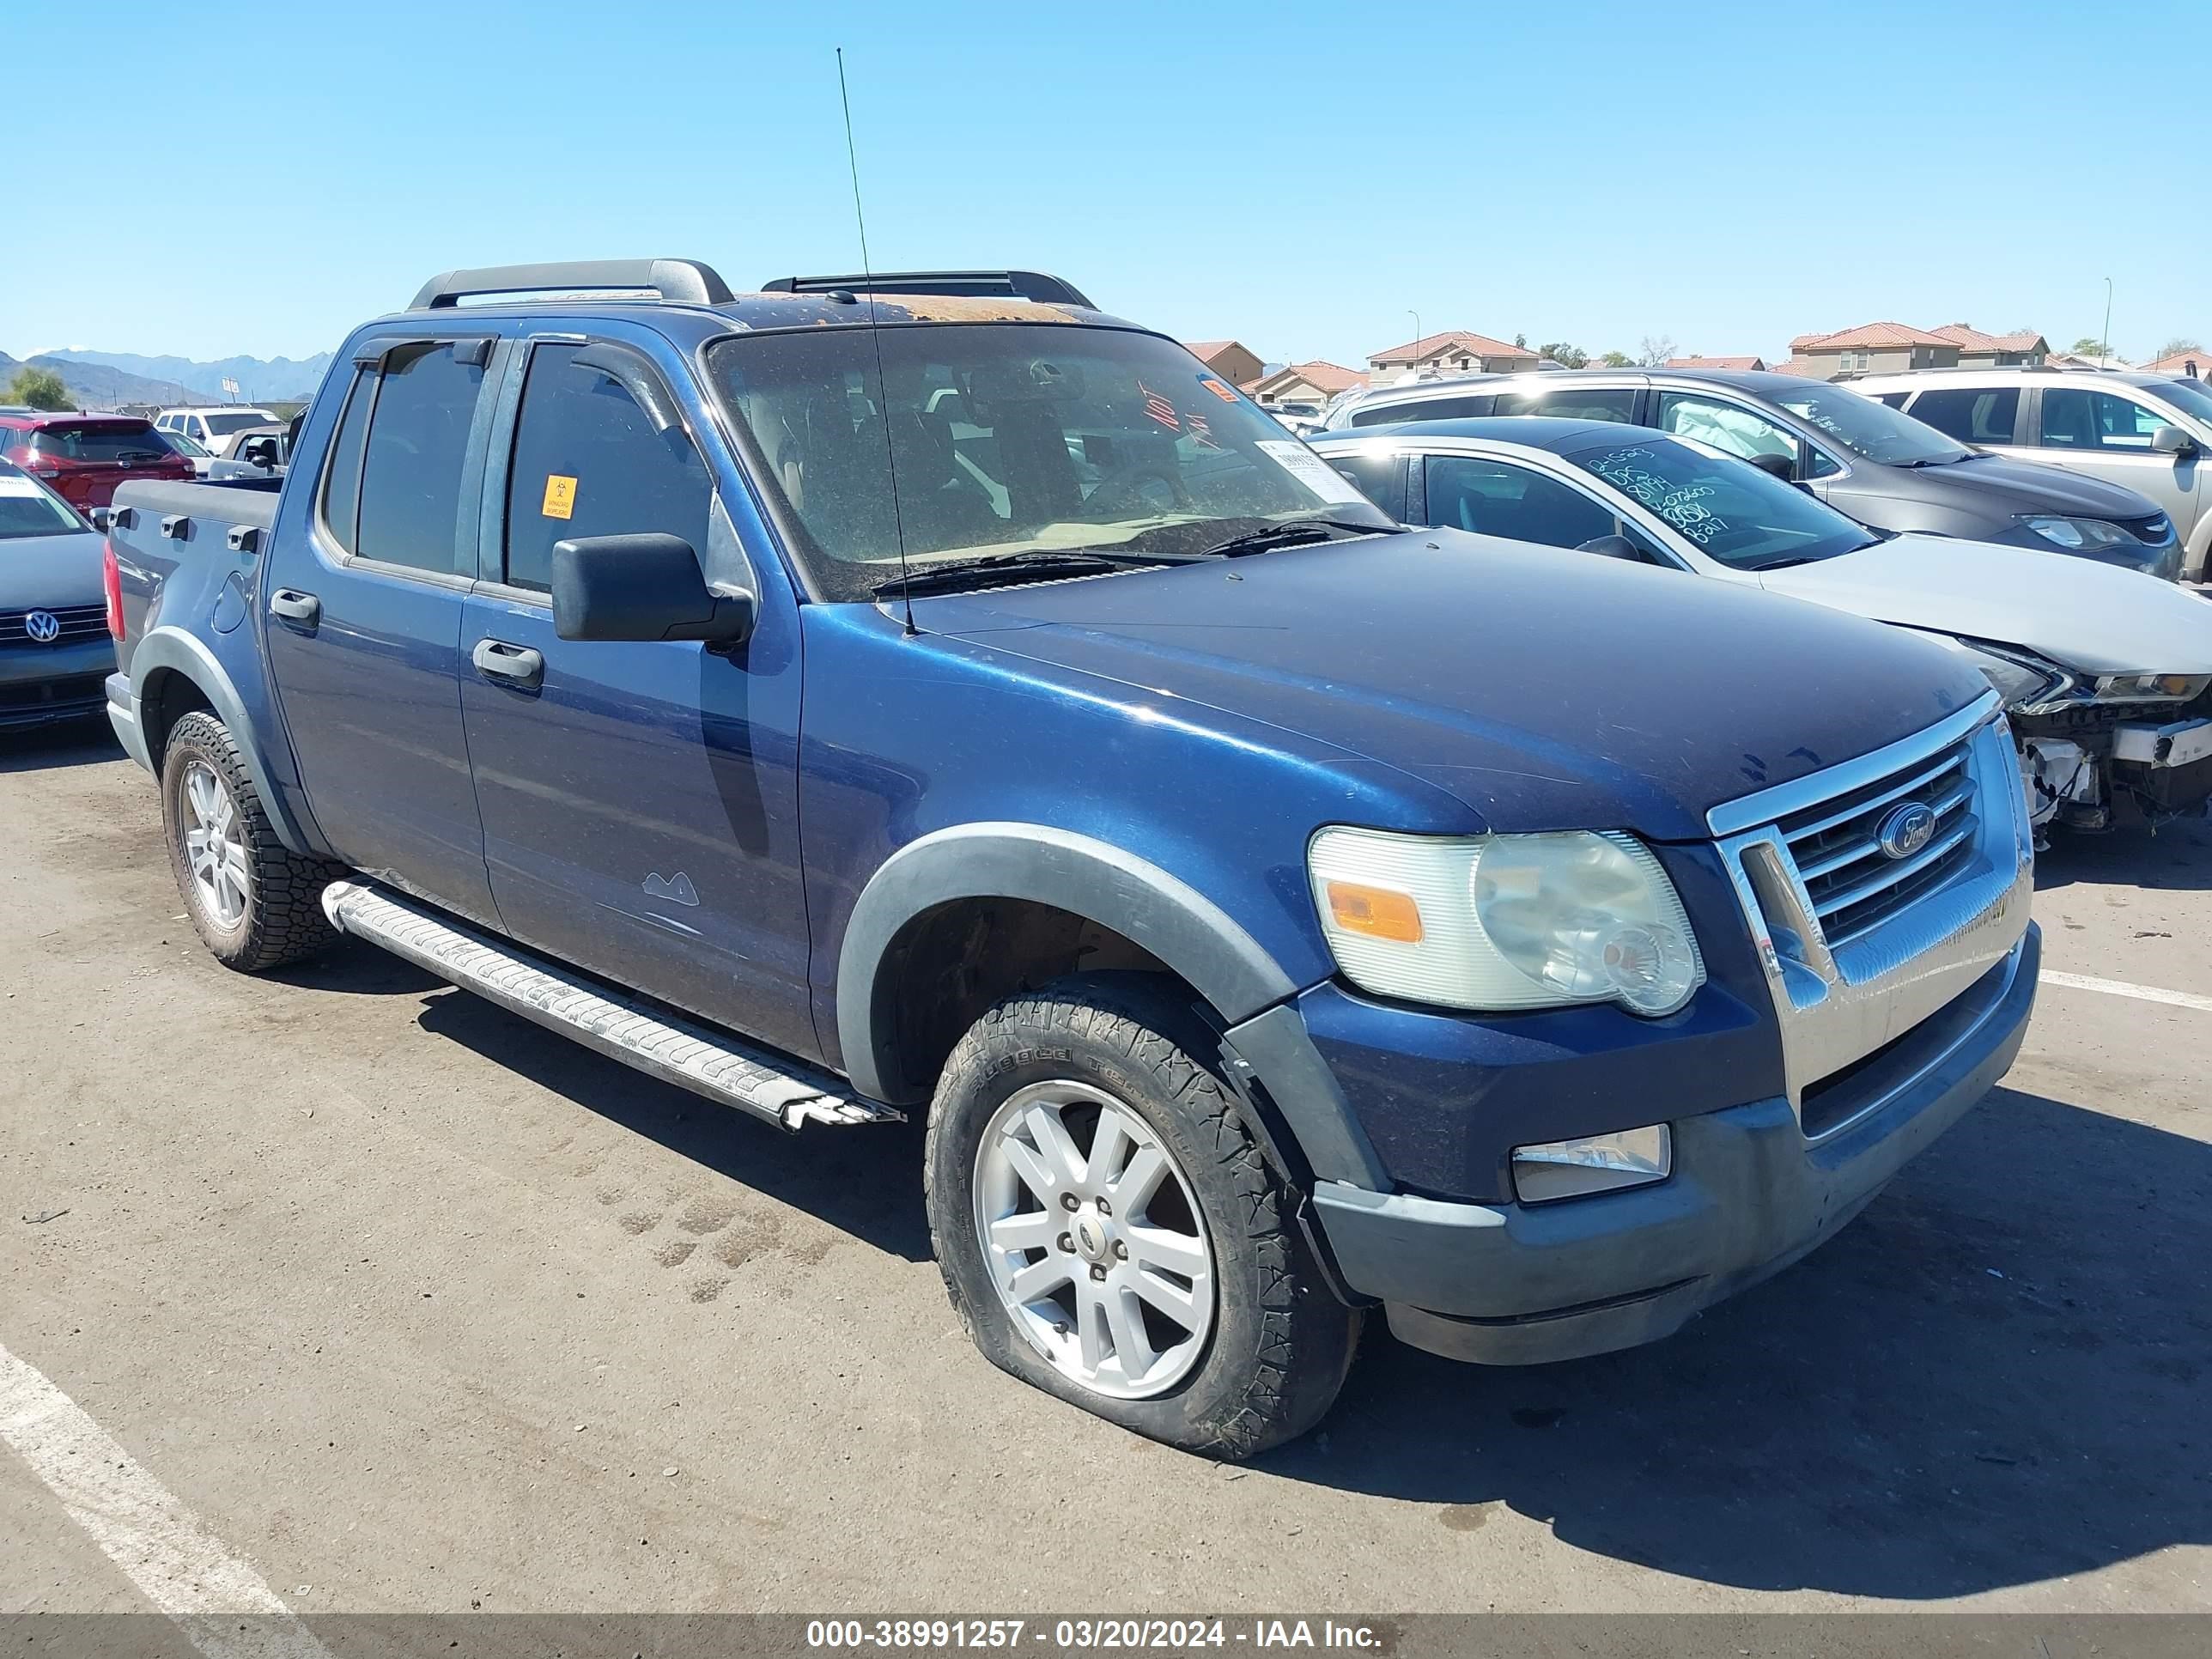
(503, 661)
(293, 606)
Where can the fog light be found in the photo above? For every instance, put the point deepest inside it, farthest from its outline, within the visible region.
(1594, 1163)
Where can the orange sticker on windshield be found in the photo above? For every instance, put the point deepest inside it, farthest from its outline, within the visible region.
(560, 497)
(1218, 389)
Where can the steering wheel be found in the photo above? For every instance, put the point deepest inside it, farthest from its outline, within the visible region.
(1127, 477)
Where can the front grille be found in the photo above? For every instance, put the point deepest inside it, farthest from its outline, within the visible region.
(1853, 883)
(79, 622)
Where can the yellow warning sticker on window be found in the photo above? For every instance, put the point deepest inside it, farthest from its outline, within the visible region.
(560, 497)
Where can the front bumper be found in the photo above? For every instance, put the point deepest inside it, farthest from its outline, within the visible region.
(1513, 1284)
(41, 685)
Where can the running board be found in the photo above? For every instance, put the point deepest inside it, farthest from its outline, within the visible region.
(715, 1064)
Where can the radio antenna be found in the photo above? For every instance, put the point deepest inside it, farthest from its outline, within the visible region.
(882, 391)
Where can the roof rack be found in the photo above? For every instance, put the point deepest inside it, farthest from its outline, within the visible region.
(1034, 285)
(680, 282)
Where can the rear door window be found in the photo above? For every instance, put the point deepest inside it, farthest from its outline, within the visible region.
(417, 447)
(1426, 409)
(1497, 498)
(1728, 427)
(587, 462)
(1572, 403)
(1972, 414)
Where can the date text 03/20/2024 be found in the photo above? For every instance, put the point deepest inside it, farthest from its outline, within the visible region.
(1088, 1634)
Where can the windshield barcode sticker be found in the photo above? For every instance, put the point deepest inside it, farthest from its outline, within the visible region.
(1310, 470)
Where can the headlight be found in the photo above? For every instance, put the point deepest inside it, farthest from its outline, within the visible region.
(2022, 679)
(2151, 688)
(2081, 535)
(1500, 922)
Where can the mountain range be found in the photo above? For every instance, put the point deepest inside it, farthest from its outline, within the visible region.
(276, 380)
(96, 386)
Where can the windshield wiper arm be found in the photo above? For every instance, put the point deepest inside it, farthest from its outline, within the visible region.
(1013, 567)
(1295, 534)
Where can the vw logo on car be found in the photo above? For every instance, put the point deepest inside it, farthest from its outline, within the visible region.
(1908, 828)
(43, 626)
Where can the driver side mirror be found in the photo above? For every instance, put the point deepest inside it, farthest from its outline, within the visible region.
(641, 588)
(2172, 440)
(1612, 547)
(1783, 467)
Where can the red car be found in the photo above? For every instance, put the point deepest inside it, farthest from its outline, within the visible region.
(81, 457)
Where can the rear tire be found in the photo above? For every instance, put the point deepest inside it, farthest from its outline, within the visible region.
(254, 903)
(1055, 1285)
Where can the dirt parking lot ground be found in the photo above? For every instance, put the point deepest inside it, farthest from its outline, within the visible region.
(418, 1307)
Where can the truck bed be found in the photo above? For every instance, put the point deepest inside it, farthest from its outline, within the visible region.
(185, 512)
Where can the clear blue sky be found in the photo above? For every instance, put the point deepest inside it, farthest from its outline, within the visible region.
(1723, 174)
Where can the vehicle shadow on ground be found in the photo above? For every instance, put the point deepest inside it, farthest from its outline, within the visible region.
(2177, 857)
(1996, 1376)
(45, 748)
(866, 1181)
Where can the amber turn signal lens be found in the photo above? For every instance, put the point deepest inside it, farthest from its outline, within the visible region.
(1377, 912)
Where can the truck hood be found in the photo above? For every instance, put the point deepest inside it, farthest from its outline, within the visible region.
(1999, 484)
(1545, 689)
(44, 572)
(2081, 614)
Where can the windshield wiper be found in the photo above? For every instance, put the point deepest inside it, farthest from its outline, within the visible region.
(1295, 534)
(1018, 567)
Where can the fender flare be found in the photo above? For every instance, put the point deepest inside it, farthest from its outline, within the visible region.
(173, 649)
(1166, 915)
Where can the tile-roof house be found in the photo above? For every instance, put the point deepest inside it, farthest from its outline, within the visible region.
(1455, 351)
(2195, 363)
(1880, 347)
(1232, 360)
(1695, 361)
(2023, 349)
(1314, 382)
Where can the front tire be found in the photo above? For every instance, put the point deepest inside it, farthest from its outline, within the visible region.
(1109, 1230)
(254, 903)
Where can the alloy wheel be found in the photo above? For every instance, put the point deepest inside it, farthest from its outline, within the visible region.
(1093, 1238)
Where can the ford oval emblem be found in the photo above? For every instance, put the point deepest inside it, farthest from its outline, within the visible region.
(1910, 826)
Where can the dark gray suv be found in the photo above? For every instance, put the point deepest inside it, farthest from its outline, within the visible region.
(1864, 459)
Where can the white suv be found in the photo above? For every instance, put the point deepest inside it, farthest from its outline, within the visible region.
(211, 426)
(2151, 432)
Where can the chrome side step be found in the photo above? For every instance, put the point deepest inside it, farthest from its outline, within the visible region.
(714, 1064)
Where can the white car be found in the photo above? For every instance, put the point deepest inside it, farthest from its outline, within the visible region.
(210, 427)
(2106, 673)
(190, 448)
(2149, 433)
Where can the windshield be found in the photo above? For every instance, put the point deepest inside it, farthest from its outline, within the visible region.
(221, 426)
(104, 440)
(1870, 428)
(1727, 509)
(185, 444)
(2190, 397)
(29, 508)
(1010, 438)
